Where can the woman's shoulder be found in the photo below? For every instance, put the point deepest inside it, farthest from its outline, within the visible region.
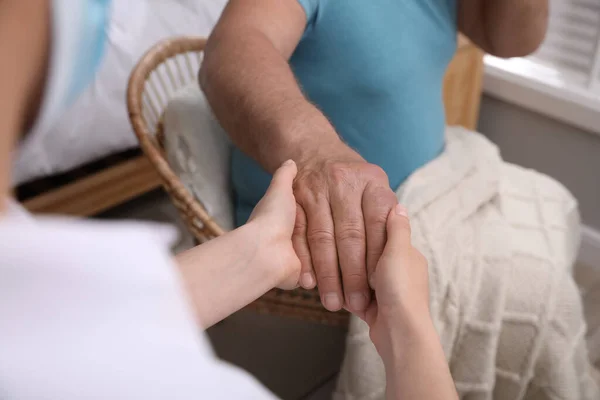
(67, 241)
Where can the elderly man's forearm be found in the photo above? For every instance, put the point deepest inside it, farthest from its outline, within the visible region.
(254, 94)
(505, 28)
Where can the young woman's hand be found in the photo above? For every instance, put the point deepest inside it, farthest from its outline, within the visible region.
(400, 324)
(273, 220)
(229, 272)
(400, 282)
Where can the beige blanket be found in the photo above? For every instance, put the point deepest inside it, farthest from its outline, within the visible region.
(501, 242)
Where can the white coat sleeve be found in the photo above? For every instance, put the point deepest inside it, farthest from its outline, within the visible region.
(93, 310)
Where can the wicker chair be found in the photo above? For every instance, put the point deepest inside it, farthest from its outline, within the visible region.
(167, 67)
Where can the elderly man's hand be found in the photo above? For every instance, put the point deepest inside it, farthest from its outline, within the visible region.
(340, 232)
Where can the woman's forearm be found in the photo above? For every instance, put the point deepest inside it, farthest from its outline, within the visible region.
(416, 367)
(226, 274)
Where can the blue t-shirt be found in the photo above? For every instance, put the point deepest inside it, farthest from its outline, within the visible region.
(375, 68)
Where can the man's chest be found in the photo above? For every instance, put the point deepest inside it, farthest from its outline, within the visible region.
(384, 38)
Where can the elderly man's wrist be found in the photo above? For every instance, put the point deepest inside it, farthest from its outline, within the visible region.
(318, 154)
(317, 148)
(304, 137)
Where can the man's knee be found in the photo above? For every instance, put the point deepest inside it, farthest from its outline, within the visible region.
(542, 213)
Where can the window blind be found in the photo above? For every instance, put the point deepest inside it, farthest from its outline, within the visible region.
(571, 47)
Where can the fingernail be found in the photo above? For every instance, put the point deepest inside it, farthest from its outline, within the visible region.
(332, 302)
(358, 302)
(401, 210)
(307, 280)
(288, 162)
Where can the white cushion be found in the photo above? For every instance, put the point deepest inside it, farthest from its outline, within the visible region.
(199, 152)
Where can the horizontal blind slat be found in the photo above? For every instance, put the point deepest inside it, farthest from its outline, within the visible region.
(571, 43)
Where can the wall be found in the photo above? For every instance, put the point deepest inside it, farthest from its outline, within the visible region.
(562, 151)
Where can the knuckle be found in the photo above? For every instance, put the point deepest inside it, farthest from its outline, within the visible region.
(376, 221)
(308, 187)
(377, 218)
(300, 224)
(354, 281)
(341, 175)
(355, 276)
(302, 192)
(379, 200)
(376, 172)
(382, 195)
(321, 237)
(327, 279)
(299, 230)
(338, 171)
(300, 215)
(351, 233)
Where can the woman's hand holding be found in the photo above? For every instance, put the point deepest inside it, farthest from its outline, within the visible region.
(401, 285)
(399, 320)
(231, 271)
(272, 221)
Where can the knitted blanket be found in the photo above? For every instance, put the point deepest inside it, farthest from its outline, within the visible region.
(501, 242)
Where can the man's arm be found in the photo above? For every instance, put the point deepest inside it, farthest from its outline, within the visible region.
(251, 88)
(504, 28)
(342, 200)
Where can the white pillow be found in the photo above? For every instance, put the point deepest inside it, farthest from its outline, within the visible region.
(199, 152)
(97, 124)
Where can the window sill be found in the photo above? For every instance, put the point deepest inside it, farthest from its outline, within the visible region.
(538, 88)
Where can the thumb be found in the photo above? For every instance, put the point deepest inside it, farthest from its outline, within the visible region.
(398, 232)
(283, 179)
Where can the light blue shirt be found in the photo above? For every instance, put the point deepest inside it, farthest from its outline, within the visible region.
(375, 68)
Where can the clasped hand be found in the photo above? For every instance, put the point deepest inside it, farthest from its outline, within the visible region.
(398, 276)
